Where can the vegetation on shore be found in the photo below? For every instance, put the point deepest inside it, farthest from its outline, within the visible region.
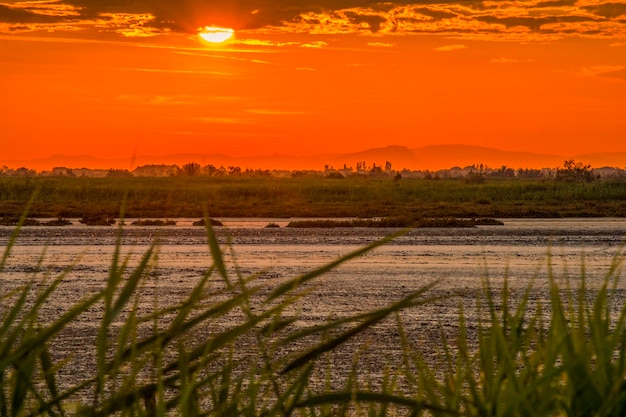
(98, 219)
(203, 222)
(396, 222)
(351, 197)
(383, 222)
(153, 222)
(520, 358)
(14, 221)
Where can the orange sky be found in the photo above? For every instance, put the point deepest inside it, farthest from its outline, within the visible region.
(310, 77)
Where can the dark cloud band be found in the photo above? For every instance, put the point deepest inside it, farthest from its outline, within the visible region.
(325, 16)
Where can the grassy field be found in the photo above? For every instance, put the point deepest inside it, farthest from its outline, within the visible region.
(311, 197)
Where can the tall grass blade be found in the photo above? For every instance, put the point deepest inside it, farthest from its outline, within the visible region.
(48, 370)
(214, 247)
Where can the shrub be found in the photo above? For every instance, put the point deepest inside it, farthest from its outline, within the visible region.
(57, 222)
(154, 222)
(575, 172)
(97, 220)
(335, 175)
(475, 178)
(202, 222)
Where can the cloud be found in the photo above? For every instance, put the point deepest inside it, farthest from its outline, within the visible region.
(51, 8)
(314, 45)
(619, 74)
(57, 16)
(448, 48)
(175, 100)
(381, 44)
(504, 60)
(605, 71)
(179, 71)
(264, 43)
(522, 20)
(130, 24)
(273, 112)
(608, 9)
(555, 3)
(516, 20)
(224, 120)
(155, 100)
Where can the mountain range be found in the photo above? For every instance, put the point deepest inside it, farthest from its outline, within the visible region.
(433, 157)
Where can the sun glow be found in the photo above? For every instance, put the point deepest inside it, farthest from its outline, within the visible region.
(216, 34)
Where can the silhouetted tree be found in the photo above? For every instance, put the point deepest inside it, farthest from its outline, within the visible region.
(191, 169)
(503, 172)
(475, 178)
(233, 170)
(574, 172)
(529, 173)
(24, 172)
(118, 173)
(209, 170)
(376, 170)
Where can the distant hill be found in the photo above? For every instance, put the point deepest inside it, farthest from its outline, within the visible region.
(433, 157)
(446, 156)
(615, 159)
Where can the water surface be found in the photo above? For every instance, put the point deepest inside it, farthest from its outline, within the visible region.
(457, 259)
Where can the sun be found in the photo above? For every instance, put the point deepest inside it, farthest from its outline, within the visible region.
(215, 34)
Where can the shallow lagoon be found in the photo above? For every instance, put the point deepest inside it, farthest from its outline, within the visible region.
(520, 247)
(456, 259)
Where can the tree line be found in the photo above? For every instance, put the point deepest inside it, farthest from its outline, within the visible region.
(570, 171)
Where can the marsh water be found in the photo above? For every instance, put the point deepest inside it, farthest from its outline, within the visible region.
(458, 260)
(454, 257)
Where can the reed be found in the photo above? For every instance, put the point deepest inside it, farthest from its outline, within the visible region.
(522, 358)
